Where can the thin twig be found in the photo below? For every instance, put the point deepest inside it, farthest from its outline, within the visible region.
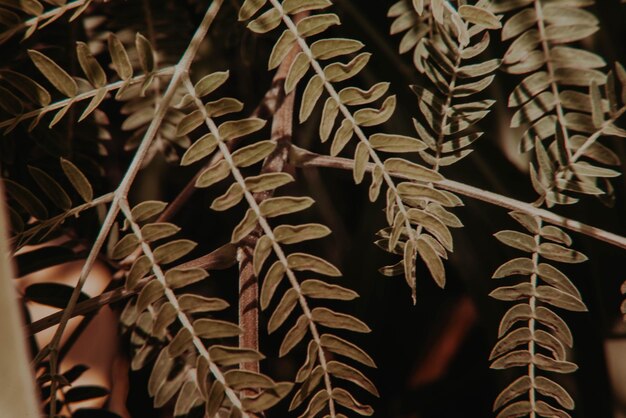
(52, 14)
(267, 230)
(304, 158)
(183, 318)
(24, 238)
(181, 71)
(282, 131)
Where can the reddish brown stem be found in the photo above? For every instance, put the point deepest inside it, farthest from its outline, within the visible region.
(282, 130)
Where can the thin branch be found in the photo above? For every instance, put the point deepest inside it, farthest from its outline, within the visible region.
(52, 14)
(183, 318)
(304, 158)
(282, 131)
(181, 70)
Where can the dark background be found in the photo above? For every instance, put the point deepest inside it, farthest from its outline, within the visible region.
(431, 357)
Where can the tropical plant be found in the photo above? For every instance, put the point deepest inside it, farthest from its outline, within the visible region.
(115, 113)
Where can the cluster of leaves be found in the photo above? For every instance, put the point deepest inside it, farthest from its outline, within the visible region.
(443, 41)
(174, 327)
(565, 104)
(540, 342)
(94, 87)
(31, 15)
(26, 204)
(540, 32)
(271, 241)
(560, 95)
(411, 207)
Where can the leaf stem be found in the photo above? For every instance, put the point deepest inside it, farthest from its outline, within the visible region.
(24, 237)
(550, 68)
(53, 14)
(304, 158)
(121, 193)
(532, 302)
(182, 317)
(267, 230)
(38, 113)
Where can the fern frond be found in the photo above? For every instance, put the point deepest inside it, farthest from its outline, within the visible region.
(407, 221)
(568, 174)
(29, 93)
(443, 46)
(184, 363)
(419, 19)
(165, 26)
(539, 343)
(316, 368)
(449, 111)
(559, 98)
(30, 15)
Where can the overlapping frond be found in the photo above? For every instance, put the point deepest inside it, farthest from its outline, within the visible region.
(174, 327)
(560, 173)
(445, 46)
(24, 99)
(449, 111)
(415, 226)
(418, 19)
(531, 334)
(560, 100)
(30, 15)
(166, 27)
(317, 370)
